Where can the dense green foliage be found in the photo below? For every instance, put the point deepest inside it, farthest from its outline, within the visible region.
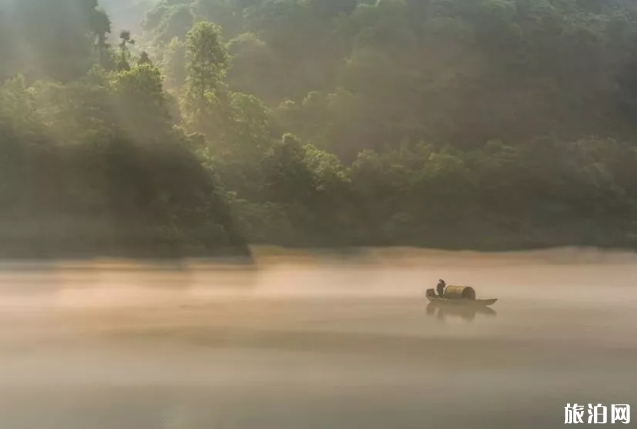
(91, 159)
(449, 123)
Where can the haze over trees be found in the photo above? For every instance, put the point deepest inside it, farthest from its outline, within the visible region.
(188, 127)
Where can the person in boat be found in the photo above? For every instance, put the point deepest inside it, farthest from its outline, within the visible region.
(441, 288)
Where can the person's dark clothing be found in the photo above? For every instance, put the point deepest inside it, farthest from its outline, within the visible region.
(441, 288)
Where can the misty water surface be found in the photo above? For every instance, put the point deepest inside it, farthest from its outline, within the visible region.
(316, 341)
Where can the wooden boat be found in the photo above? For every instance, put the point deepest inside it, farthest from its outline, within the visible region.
(458, 295)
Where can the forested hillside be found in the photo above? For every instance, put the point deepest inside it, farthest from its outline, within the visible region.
(91, 161)
(485, 124)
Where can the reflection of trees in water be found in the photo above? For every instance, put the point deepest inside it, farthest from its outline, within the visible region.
(467, 313)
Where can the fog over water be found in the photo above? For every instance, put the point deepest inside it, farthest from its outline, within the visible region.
(316, 340)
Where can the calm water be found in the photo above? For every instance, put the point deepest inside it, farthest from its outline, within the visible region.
(316, 342)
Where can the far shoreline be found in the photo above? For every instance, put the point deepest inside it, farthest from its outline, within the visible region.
(405, 256)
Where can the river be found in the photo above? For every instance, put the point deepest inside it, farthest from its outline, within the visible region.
(316, 340)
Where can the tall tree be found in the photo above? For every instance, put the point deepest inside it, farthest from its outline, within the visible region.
(207, 63)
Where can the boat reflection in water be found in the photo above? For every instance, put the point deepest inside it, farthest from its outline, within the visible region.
(467, 313)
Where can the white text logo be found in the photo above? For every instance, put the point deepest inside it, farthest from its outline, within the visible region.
(597, 414)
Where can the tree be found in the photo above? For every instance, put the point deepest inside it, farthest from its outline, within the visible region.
(60, 36)
(207, 63)
(141, 103)
(125, 41)
(174, 64)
